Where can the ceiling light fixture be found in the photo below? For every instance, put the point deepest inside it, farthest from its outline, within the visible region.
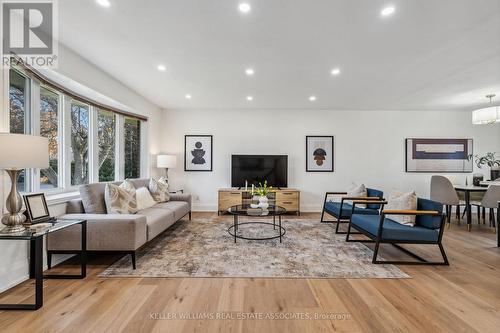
(244, 7)
(162, 68)
(188, 96)
(312, 98)
(250, 98)
(104, 3)
(335, 71)
(387, 11)
(249, 71)
(488, 115)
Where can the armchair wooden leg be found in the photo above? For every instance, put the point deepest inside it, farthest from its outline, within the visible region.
(375, 252)
(49, 259)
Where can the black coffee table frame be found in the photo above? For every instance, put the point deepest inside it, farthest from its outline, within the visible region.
(233, 230)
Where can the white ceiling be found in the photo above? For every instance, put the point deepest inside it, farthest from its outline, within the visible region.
(429, 55)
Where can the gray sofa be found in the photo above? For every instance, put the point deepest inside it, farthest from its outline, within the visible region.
(124, 233)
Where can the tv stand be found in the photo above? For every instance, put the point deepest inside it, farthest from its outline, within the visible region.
(286, 198)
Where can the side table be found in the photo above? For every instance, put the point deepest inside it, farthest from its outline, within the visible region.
(35, 237)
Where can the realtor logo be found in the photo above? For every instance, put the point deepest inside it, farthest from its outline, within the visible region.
(29, 32)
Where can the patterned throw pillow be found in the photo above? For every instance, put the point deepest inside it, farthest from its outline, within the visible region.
(357, 191)
(402, 201)
(159, 190)
(120, 199)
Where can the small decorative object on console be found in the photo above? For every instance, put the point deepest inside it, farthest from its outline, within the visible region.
(490, 160)
(262, 191)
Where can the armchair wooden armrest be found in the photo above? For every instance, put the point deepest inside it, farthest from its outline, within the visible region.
(410, 212)
(379, 201)
(335, 193)
(361, 198)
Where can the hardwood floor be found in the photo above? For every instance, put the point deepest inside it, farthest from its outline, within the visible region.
(464, 297)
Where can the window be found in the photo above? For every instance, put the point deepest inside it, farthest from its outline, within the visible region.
(106, 127)
(87, 142)
(18, 96)
(80, 114)
(132, 136)
(49, 115)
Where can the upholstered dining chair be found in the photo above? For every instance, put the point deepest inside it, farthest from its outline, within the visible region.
(490, 200)
(442, 191)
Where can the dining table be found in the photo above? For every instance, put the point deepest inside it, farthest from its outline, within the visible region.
(468, 189)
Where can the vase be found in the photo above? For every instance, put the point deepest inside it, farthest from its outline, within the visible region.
(263, 202)
(495, 172)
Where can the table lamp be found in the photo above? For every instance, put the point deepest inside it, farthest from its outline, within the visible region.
(167, 162)
(18, 152)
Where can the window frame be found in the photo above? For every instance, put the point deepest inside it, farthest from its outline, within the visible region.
(32, 126)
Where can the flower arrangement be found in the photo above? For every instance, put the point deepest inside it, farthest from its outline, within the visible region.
(262, 190)
(489, 159)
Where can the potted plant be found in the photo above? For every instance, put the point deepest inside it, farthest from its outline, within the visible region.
(489, 159)
(261, 192)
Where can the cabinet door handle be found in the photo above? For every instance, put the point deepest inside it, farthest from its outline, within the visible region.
(235, 193)
(287, 202)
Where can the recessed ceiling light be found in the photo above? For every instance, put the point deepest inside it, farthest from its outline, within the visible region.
(249, 98)
(387, 11)
(312, 98)
(335, 71)
(249, 71)
(188, 96)
(162, 68)
(244, 7)
(104, 3)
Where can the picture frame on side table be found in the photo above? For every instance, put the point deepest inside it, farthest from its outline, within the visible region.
(36, 208)
(438, 155)
(198, 153)
(320, 153)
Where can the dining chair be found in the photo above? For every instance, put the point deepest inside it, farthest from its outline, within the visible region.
(442, 191)
(490, 200)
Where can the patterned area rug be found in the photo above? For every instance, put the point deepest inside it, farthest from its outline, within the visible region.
(203, 248)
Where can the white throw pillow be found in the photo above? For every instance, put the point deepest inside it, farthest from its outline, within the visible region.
(356, 191)
(159, 190)
(120, 199)
(402, 201)
(144, 198)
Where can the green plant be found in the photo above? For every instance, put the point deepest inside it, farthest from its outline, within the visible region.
(489, 159)
(262, 190)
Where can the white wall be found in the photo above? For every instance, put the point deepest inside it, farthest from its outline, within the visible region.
(14, 255)
(369, 147)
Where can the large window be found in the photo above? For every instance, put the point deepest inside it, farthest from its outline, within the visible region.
(106, 127)
(49, 128)
(87, 142)
(132, 147)
(80, 118)
(18, 117)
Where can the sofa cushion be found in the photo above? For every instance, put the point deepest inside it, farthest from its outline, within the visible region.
(93, 198)
(157, 220)
(120, 199)
(144, 198)
(428, 221)
(159, 190)
(393, 230)
(333, 208)
(357, 191)
(179, 208)
(374, 193)
(402, 201)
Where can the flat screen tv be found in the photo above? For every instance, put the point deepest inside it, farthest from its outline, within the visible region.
(259, 168)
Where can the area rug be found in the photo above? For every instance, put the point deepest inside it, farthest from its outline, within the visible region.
(203, 248)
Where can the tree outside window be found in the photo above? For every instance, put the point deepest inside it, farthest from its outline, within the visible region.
(49, 103)
(106, 127)
(132, 147)
(79, 143)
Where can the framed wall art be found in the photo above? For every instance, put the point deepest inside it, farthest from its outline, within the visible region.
(198, 152)
(439, 155)
(319, 154)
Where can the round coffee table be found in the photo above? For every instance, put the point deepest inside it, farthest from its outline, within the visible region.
(247, 210)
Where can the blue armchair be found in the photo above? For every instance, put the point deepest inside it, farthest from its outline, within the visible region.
(342, 210)
(380, 229)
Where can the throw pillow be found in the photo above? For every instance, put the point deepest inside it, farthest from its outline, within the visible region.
(357, 191)
(402, 201)
(144, 198)
(159, 191)
(120, 199)
(163, 180)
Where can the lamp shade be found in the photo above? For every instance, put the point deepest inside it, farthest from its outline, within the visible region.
(489, 115)
(166, 161)
(20, 151)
